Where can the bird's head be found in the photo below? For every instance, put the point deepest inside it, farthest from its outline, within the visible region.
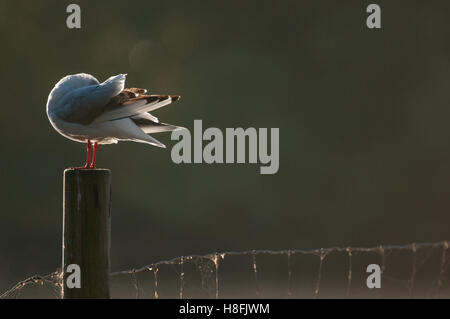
(67, 84)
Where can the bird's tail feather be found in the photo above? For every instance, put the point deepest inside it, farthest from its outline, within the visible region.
(150, 124)
(151, 140)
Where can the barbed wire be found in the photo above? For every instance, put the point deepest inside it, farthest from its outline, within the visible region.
(53, 280)
(216, 259)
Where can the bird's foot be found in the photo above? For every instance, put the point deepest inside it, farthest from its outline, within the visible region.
(90, 164)
(84, 167)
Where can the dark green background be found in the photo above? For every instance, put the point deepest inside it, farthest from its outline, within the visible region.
(363, 117)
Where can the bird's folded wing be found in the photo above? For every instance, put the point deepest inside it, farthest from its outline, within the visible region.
(109, 101)
(132, 102)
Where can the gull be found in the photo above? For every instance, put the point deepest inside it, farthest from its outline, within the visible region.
(84, 110)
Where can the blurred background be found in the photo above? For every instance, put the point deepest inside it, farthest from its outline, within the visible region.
(363, 117)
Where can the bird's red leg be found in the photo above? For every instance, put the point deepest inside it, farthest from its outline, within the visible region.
(94, 155)
(88, 155)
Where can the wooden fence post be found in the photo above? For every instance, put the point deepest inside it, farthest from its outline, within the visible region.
(86, 232)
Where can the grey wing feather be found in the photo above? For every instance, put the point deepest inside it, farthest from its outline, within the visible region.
(129, 104)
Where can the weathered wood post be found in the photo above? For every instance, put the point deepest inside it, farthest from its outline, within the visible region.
(86, 232)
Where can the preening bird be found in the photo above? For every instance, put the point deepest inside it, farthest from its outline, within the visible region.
(82, 109)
